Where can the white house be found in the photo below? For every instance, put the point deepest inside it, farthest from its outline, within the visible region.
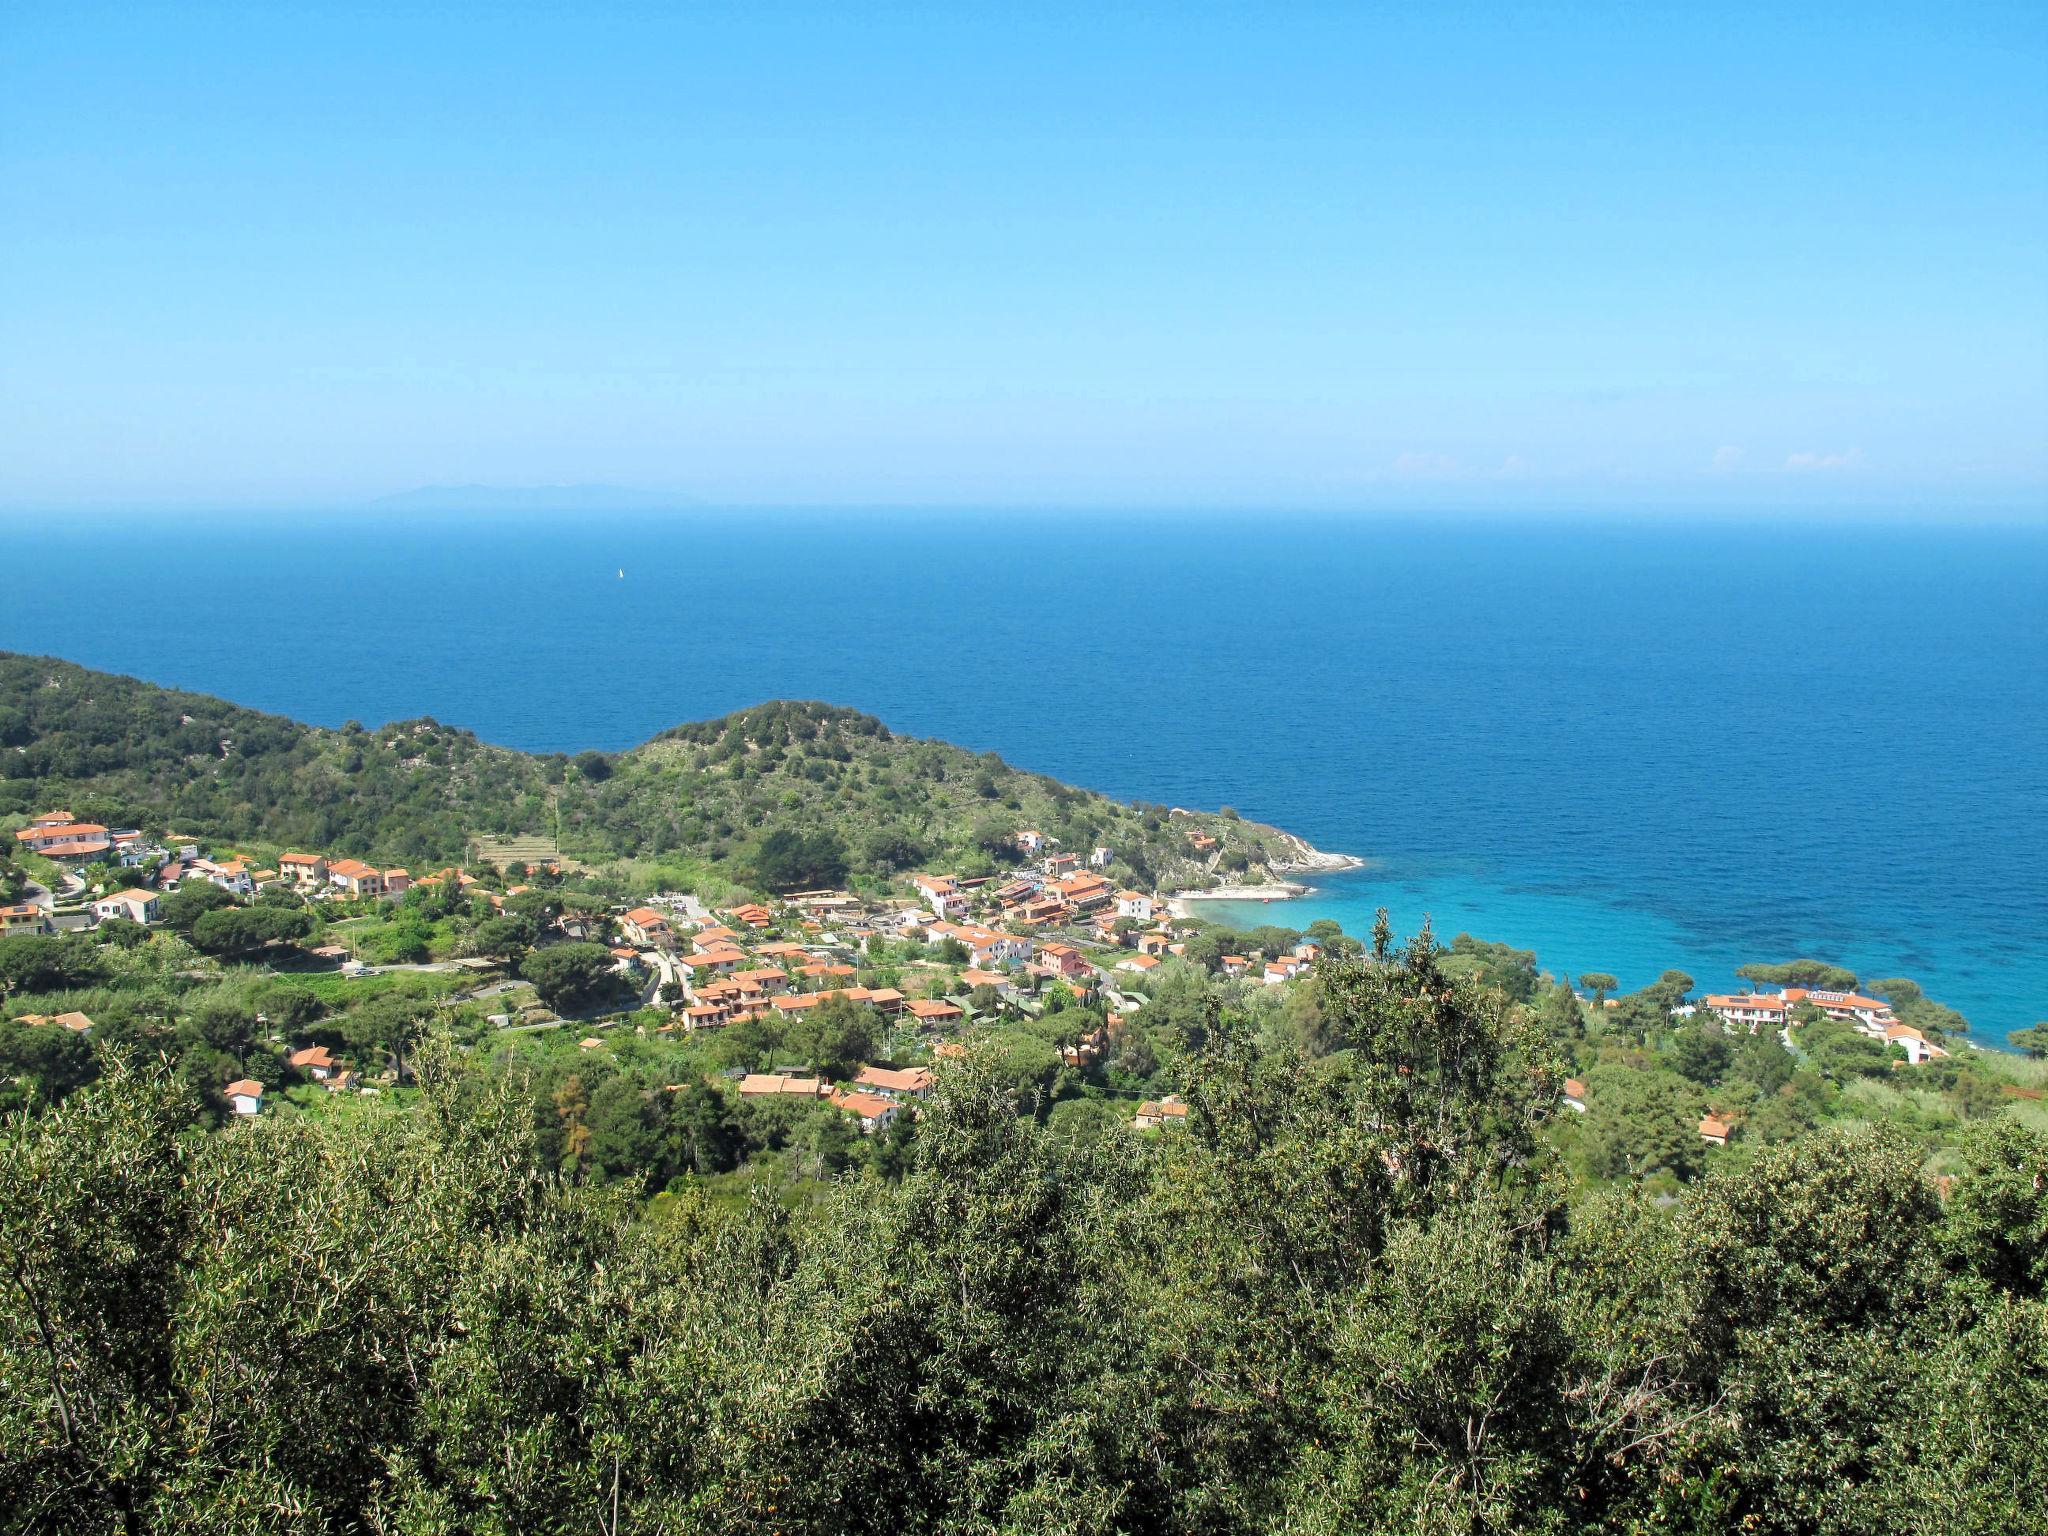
(872, 1110)
(1750, 1011)
(1918, 1047)
(1872, 1015)
(942, 895)
(135, 853)
(895, 1082)
(232, 876)
(1134, 904)
(1001, 949)
(245, 1096)
(136, 906)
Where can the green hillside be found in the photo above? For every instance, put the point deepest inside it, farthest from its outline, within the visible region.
(783, 793)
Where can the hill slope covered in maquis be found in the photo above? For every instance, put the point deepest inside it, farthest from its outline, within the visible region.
(851, 798)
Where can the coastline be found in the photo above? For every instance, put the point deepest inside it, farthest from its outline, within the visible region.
(1285, 891)
(1307, 859)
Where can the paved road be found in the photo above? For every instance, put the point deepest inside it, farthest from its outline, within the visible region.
(38, 894)
(667, 968)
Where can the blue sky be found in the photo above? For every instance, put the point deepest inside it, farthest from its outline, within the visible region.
(290, 255)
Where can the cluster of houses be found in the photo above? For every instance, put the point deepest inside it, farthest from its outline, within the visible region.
(61, 836)
(1055, 920)
(874, 1098)
(730, 971)
(245, 1095)
(161, 869)
(1056, 895)
(1020, 934)
(1775, 1011)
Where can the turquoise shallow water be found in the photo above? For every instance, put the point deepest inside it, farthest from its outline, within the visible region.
(1624, 745)
(1572, 932)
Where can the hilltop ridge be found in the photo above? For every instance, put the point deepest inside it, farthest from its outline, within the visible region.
(861, 801)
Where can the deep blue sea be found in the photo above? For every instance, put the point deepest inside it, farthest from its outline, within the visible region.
(1626, 745)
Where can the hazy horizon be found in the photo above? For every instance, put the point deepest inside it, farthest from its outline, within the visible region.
(2023, 516)
(1481, 259)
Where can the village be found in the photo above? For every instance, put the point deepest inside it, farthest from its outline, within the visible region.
(1053, 932)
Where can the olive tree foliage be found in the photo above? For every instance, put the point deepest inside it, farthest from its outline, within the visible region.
(194, 1320)
(921, 1368)
(93, 1221)
(1352, 1294)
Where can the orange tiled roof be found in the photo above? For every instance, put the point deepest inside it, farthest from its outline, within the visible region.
(899, 1080)
(867, 1105)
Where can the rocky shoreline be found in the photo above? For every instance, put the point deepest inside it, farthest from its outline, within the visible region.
(1305, 858)
(1309, 859)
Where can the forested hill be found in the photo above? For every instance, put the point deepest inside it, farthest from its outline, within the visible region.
(848, 797)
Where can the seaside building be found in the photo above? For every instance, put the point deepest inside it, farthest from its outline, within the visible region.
(1918, 1047)
(1872, 1014)
(1750, 1011)
(1134, 904)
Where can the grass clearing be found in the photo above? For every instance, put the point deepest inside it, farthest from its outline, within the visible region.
(338, 991)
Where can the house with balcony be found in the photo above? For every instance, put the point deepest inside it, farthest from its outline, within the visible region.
(302, 868)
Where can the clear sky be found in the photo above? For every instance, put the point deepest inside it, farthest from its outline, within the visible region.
(1102, 254)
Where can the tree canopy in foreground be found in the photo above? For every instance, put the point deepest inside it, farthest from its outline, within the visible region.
(1354, 1294)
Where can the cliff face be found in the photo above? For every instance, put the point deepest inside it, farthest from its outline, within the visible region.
(868, 802)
